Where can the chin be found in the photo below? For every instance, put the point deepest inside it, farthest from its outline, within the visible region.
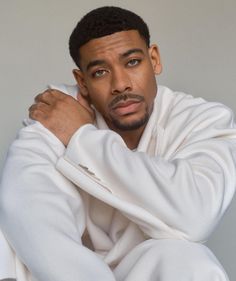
(132, 124)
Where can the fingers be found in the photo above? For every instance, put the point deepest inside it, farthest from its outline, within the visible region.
(39, 111)
(49, 96)
(43, 101)
(52, 102)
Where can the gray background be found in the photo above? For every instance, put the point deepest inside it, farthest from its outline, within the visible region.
(197, 40)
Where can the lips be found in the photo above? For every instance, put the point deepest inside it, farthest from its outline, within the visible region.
(126, 107)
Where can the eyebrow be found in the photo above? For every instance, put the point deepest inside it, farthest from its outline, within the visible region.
(94, 63)
(124, 55)
(131, 51)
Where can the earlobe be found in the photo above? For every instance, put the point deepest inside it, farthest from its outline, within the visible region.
(79, 77)
(155, 59)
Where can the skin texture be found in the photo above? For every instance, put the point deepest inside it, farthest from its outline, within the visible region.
(117, 76)
(61, 114)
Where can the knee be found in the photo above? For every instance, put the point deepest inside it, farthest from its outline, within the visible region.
(167, 259)
(188, 261)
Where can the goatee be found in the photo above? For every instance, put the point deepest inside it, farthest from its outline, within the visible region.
(130, 126)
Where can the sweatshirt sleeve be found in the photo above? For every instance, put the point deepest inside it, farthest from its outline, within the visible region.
(187, 187)
(41, 212)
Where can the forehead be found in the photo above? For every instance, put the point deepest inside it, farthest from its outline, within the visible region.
(115, 44)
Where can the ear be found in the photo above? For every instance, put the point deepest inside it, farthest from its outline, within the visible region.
(155, 59)
(79, 77)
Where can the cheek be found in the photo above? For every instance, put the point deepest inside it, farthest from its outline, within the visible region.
(147, 84)
(152, 85)
(151, 78)
(99, 90)
(97, 99)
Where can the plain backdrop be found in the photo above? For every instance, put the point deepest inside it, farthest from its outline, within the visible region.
(197, 41)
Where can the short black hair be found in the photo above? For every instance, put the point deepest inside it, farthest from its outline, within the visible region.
(105, 21)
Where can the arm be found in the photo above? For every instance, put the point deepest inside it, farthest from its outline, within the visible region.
(41, 213)
(183, 190)
(187, 188)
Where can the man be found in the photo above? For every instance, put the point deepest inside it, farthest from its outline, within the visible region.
(125, 181)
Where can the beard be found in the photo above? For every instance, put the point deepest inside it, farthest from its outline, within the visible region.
(128, 125)
(132, 125)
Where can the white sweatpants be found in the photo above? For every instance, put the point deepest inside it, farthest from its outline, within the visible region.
(170, 260)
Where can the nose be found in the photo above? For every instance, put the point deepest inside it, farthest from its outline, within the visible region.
(121, 82)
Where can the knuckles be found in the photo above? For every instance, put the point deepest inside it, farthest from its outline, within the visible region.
(35, 114)
(52, 104)
(54, 96)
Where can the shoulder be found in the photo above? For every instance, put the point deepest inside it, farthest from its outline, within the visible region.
(186, 120)
(71, 90)
(180, 108)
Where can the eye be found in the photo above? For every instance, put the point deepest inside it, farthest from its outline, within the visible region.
(99, 73)
(133, 62)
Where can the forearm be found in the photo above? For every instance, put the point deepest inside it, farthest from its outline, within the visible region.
(188, 193)
(42, 215)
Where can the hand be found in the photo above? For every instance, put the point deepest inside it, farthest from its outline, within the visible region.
(61, 114)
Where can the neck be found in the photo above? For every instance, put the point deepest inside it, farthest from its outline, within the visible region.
(131, 138)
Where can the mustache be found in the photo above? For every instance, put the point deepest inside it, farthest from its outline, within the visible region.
(125, 97)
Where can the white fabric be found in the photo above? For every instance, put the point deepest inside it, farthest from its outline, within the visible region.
(146, 212)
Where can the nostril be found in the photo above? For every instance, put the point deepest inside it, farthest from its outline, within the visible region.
(120, 82)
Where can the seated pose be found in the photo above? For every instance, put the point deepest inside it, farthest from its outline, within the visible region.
(116, 178)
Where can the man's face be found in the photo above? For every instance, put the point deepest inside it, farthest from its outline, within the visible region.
(118, 77)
